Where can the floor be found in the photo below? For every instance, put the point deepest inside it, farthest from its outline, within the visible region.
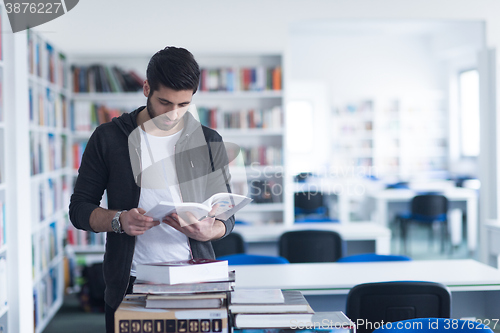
(71, 318)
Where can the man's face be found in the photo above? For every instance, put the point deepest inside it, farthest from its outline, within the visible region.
(166, 106)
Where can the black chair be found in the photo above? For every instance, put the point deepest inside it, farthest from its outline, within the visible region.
(231, 244)
(311, 246)
(369, 304)
(311, 207)
(425, 209)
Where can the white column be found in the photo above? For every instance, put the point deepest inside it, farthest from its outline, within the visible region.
(18, 170)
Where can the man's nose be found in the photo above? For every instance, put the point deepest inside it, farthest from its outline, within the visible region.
(173, 114)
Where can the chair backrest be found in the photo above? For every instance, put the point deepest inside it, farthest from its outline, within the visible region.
(309, 203)
(231, 244)
(252, 259)
(434, 325)
(310, 246)
(395, 301)
(429, 205)
(367, 257)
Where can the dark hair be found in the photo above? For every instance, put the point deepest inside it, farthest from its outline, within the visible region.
(174, 68)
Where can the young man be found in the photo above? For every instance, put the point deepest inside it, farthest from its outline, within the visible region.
(158, 152)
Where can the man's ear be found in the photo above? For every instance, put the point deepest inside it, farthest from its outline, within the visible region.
(146, 88)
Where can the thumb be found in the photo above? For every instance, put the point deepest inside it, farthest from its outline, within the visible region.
(141, 211)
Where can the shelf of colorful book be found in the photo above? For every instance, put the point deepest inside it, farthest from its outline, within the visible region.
(87, 249)
(47, 297)
(44, 62)
(201, 96)
(53, 263)
(109, 97)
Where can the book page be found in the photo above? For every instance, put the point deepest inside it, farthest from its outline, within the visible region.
(229, 203)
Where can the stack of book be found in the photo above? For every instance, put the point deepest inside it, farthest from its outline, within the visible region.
(183, 296)
(277, 311)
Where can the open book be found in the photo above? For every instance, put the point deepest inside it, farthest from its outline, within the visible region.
(229, 203)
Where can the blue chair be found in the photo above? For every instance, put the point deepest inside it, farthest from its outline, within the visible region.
(426, 209)
(396, 300)
(368, 257)
(434, 325)
(252, 259)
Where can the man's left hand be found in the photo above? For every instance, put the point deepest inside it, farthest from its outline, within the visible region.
(202, 230)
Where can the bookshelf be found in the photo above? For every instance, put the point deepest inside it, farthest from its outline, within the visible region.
(241, 96)
(387, 137)
(50, 173)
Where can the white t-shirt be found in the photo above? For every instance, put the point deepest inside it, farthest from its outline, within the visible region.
(162, 242)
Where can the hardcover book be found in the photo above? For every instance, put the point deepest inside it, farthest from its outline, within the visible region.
(144, 287)
(132, 316)
(257, 296)
(185, 271)
(294, 301)
(192, 301)
(325, 320)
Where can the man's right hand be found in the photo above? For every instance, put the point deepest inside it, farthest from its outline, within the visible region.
(134, 222)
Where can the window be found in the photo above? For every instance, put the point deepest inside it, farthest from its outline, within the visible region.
(469, 112)
(300, 136)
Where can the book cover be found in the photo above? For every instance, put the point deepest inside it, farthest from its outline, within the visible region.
(229, 204)
(132, 316)
(185, 271)
(187, 301)
(325, 320)
(294, 301)
(143, 287)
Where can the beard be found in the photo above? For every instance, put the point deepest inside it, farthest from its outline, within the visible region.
(159, 120)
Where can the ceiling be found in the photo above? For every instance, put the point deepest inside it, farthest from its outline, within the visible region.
(141, 27)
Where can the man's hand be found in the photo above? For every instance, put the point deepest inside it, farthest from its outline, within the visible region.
(204, 230)
(134, 223)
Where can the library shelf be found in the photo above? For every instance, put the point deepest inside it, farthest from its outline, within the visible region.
(52, 312)
(109, 97)
(216, 95)
(49, 136)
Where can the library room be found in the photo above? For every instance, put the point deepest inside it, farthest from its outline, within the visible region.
(319, 166)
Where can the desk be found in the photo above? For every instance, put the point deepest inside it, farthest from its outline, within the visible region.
(475, 286)
(356, 231)
(493, 242)
(383, 198)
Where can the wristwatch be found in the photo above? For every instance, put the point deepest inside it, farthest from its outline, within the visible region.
(115, 223)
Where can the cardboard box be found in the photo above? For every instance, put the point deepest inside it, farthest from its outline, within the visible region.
(133, 317)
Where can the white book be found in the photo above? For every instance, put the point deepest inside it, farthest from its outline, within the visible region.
(257, 296)
(188, 301)
(184, 271)
(294, 302)
(229, 204)
(337, 320)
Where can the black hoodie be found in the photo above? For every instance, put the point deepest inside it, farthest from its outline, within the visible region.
(111, 162)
